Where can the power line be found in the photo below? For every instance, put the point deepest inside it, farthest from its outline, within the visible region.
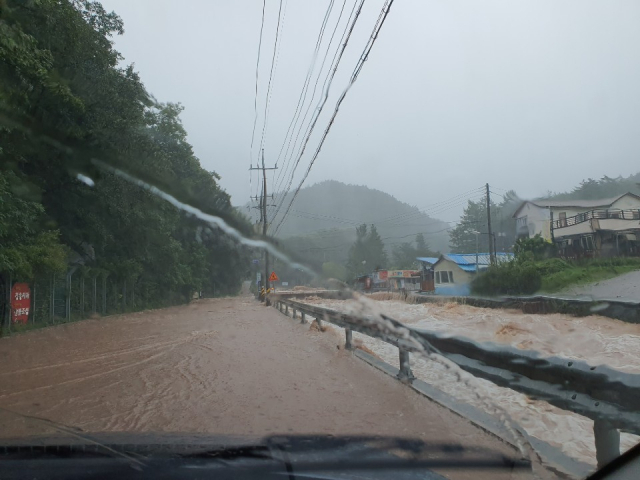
(273, 64)
(363, 58)
(327, 87)
(302, 98)
(255, 101)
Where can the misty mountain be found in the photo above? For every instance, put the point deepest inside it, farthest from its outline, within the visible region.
(324, 217)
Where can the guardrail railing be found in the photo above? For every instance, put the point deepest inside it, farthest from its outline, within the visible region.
(608, 397)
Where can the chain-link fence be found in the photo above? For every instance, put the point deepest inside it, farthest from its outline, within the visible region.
(74, 295)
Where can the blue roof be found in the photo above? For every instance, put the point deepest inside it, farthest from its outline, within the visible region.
(467, 261)
(430, 260)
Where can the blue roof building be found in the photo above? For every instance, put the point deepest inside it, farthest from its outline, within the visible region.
(454, 272)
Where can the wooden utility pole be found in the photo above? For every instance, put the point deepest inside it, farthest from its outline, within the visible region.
(492, 257)
(263, 211)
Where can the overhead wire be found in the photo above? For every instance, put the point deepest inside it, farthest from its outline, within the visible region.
(273, 66)
(363, 58)
(351, 23)
(305, 85)
(282, 175)
(255, 108)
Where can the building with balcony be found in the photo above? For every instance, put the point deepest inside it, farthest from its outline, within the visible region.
(584, 228)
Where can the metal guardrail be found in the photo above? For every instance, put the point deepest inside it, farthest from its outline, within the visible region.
(609, 397)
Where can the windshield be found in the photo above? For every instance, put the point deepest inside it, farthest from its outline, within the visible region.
(355, 219)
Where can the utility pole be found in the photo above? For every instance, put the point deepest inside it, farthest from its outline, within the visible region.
(492, 257)
(263, 206)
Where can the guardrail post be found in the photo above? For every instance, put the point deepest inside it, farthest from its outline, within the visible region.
(405, 374)
(295, 315)
(348, 335)
(286, 309)
(303, 318)
(607, 442)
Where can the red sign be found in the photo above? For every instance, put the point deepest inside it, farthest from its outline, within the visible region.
(383, 274)
(20, 303)
(273, 277)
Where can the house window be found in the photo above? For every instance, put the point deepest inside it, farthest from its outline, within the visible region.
(586, 242)
(444, 277)
(562, 219)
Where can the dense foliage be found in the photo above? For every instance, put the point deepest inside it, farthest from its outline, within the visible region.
(367, 253)
(404, 255)
(471, 231)
(64, 103)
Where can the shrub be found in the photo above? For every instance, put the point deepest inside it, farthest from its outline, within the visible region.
(513, 278)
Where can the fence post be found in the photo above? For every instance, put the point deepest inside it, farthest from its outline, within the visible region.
(53, 298)
(405, 373)
(68, 299)
(104, 295)
(82, 295)
(347, 344)
(607, 442)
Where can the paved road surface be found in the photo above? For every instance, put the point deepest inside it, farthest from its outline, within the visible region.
(625, 287)
(224, 366)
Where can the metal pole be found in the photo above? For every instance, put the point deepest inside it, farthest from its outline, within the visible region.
(348, 344)
(69, 295)
(53, 299)
(264, 225)
(82, 288)
(405, 373)
(491, 255)
(607, 442)
(477, 248)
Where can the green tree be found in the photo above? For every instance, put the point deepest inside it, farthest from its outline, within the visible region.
(65, 103)
(334, 270)
(404, 256)
(367, 253)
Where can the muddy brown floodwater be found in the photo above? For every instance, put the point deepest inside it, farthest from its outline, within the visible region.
(594, 339)
(223, 366)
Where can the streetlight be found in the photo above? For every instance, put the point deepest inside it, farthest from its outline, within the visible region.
(476, 233)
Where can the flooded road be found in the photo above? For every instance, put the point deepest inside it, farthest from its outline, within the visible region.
(223, 366)
(594, 339)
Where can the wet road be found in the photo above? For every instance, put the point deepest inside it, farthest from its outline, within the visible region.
(224, 366)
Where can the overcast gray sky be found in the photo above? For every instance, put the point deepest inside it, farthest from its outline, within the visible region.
(526, 95)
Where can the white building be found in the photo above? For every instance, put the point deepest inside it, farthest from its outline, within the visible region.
(606, 227)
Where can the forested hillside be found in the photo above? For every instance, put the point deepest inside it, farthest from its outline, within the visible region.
(65, 106)
(321, 225)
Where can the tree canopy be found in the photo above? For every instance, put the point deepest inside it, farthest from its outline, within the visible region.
(67, 107)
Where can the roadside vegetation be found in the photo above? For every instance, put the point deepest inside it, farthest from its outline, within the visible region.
(536, 269)
(74, 121)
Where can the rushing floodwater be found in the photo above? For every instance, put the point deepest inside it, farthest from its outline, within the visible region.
(594, 339)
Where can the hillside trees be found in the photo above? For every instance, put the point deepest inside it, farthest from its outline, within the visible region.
(66, 106)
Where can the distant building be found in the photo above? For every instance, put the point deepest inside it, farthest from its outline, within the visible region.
(454, 272)
(408, 280)
(427, 281)
(584, 228)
